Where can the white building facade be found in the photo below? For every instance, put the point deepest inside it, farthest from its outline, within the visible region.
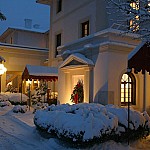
(86, 44)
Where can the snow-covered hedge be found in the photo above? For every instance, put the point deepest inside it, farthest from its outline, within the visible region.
(19, 108)
(17, 98)
(3, 97)
(39, 106)
(14, 98)
(5, 103)
(86, 122)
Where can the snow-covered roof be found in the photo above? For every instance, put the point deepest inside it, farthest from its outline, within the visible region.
(16, 46)
(29, 29)
(36, 30)
(42, 70)
(78, 57)
(100, 33)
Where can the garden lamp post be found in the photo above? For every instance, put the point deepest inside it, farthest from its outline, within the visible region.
(2, 69)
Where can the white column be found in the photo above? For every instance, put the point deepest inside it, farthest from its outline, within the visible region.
(3, 82)
(88, 87)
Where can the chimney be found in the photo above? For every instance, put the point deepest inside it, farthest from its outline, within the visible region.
(36, 26)
(28, 23)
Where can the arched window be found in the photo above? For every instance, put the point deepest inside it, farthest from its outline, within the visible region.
(128, 89)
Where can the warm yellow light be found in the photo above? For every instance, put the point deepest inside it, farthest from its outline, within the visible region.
(2, 69)
(135, 5)
(29, 82)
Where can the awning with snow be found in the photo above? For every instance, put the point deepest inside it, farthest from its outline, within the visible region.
(40, 72)
(139, 58)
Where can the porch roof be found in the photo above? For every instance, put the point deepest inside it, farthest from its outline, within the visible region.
(139, 58)
(40, 72)
(79, 58)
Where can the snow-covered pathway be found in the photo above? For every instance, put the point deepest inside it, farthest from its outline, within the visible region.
(17, 132)
(18, 135)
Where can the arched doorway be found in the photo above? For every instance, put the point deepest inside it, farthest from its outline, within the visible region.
(128, 89)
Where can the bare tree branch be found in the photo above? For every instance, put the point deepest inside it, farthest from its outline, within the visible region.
(2, 17)
(135, 13)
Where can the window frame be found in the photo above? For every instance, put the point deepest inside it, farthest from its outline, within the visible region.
(58, 6)
(58, 41)
(85, 29)
(133, 90)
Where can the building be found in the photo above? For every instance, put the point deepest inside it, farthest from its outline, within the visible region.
(86, 43)
(28, 35)
(21, 46)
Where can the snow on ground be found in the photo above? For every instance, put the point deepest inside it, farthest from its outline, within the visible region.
(18, 132)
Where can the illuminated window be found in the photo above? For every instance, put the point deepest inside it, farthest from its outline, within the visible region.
(133, 23)
(128, 89)
(135, 4)
(85, 29)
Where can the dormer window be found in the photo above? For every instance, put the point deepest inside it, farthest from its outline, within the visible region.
(85, 29)
(59, 5)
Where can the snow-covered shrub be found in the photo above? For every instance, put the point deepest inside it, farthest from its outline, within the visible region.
(39, 94)
(136, 118)
(39, 106)
(17, 98)
(88, 122)
(5, 103)
(19, 108)
(3, 97)
(11, 89)
(147, 118)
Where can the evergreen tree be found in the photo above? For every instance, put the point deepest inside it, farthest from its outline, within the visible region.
(77, 95)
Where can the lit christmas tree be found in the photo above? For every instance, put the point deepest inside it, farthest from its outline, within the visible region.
(77, 95)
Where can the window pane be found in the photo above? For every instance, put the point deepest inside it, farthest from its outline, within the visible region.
(59, 5)
(85, 28)
(122, 99)
(126, 88)
(126, 99)
(122, 94)
(122, 86)
(122, 90)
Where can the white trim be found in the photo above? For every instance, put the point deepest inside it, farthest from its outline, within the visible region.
(100, 33)
(78, 57)
(24, 47)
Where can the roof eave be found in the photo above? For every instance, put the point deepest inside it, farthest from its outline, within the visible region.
(45, 2)
(6, 33)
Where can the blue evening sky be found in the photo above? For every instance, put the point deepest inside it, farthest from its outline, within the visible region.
(17, 10)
